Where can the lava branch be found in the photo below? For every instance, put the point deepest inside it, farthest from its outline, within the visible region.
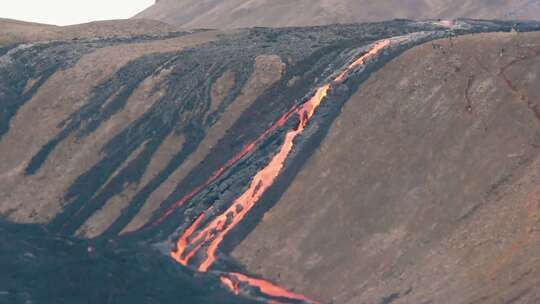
(248, 148)
(235, 282)
(207, 238)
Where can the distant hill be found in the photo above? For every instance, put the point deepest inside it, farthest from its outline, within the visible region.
(276, 13)
(15, 31)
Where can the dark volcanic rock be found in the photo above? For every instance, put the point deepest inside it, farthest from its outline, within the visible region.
(38, 267)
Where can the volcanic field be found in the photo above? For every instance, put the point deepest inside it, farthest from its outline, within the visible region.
(390, 162)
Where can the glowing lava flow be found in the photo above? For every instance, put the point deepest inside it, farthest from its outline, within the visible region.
(215, 231)
(208, 237)
(376, 49)
(233, 281)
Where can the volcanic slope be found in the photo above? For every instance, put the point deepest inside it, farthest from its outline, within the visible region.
(181, 140)
(92, 126)
(241, 13)
(426, 188)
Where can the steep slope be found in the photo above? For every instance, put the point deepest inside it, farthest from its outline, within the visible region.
(426, 189)
(178, 142)
(276, 13)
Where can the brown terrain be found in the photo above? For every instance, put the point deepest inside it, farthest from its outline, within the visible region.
(14, 31)
(426, 188)
(276, 13)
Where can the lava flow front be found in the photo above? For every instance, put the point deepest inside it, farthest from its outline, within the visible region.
(204, 236)
(235, 281)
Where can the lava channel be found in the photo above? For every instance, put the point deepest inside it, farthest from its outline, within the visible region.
(204, 240)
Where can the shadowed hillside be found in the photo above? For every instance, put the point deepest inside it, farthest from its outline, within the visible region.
(275, 13)
(363, 151)
(38, 267)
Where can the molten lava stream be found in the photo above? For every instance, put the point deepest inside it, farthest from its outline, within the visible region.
(207, 238)
(233, 281)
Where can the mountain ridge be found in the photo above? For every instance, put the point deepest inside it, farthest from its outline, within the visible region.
(271, 13)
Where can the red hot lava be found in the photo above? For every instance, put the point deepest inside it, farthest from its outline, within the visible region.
(233, 281)
(205, 239)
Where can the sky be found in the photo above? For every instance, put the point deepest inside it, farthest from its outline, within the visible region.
(67, 12)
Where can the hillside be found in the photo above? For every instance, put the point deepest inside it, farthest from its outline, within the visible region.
(400, 155)
(426, 188)
(271, 13)
(14, 31)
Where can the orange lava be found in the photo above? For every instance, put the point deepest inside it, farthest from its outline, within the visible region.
(182, 243)
(232, 286)
(232, 281)
(208, 237)
(376, 48)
